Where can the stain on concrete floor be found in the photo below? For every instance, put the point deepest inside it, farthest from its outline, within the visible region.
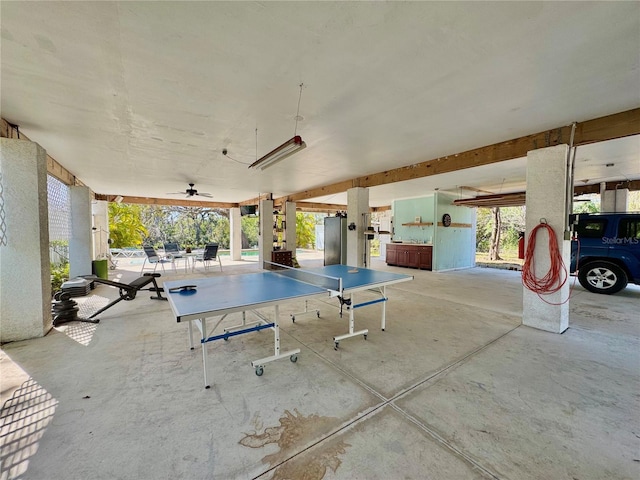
(297, 430)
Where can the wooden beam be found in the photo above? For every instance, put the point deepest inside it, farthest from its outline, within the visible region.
(55, 169)
(383, 208)
(256, 200)
(318, 192)
(331, 207)
(632, 185)
(518, 199)
(497, 200)
(166, 201)
(320, 207)
(618, 125)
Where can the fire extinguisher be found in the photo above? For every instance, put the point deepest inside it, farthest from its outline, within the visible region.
(521, 246)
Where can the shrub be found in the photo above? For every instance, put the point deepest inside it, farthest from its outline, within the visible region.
(59, 274)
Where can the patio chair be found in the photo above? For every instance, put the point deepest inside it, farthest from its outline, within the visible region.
(210, 254)
(172, 251)
(154, 259)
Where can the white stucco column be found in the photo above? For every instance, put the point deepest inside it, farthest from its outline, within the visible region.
(547, 199)
(100, 229)
(290, 227)
(357, 213)
(265, 233)
(25, 270)
(81, 243)
(614, 200)
(235, 234)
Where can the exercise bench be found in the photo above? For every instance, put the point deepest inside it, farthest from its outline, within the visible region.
(128, 291)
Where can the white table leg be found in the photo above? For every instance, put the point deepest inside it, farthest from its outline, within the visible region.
(384, 308)
(204, 352)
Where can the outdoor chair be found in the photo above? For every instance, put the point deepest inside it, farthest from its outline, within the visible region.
(172, 251)
(210, 254)
(154, 259)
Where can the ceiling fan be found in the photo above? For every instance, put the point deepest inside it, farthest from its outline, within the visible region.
(190, 192)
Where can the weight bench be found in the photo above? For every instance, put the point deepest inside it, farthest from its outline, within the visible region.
(128, 291)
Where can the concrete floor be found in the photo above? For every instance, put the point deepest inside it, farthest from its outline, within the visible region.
(455, 388)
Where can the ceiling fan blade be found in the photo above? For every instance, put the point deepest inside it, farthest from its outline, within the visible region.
(205, 195)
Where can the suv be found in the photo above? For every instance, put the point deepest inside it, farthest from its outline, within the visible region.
(608, 245)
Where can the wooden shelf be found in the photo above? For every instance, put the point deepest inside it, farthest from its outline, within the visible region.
(417, 224)
(457, 225)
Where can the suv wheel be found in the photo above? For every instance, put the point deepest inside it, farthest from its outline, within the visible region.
(602, 277)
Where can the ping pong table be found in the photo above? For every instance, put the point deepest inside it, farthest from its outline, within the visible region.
(196, 300)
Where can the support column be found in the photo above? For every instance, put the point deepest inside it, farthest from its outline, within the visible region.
(265, 232)
(25, 270)
(80, 244)
(547, 199)
(614, 200)
(290, 228)
(100, 229)
(357, 214)
(235, 225)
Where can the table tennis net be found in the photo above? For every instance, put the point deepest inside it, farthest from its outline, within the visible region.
(312, 278)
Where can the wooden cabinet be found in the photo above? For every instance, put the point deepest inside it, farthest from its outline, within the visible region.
(392, 255)
(407, 255)
(282, 257)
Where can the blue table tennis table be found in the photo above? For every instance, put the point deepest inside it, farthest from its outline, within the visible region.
(196, 300)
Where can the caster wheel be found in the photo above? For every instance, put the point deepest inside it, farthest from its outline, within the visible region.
(293, 358)
(336, 346)
(293, 319)
(365, 336)
(226, 339)
(318, 313)
(259, 371)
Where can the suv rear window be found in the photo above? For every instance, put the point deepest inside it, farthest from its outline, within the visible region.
(629, 228)
(591, 228)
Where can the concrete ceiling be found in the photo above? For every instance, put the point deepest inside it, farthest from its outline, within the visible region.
(140, 98)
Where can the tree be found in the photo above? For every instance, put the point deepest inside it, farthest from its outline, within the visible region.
(250, 231)
(494, 247)
(305, 230)
(126, 228)
(512, 222)
(634, 201)
(188, 226)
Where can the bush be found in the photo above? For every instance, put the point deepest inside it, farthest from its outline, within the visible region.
(59, 275)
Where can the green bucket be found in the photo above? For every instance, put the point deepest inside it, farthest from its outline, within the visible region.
(100, 269)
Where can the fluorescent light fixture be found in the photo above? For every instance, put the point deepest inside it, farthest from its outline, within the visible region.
(280, 153)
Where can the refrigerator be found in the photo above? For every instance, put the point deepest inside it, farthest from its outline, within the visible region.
(335, 240)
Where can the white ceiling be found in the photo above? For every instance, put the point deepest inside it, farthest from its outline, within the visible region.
(140, 98)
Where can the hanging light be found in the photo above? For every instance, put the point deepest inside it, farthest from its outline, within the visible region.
(285, 150)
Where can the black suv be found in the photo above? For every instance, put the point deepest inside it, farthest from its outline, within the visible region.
(608, 245)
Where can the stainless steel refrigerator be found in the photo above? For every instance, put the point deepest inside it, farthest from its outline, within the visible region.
(335, 240)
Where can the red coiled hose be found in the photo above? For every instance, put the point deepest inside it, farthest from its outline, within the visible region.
(557, 275)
